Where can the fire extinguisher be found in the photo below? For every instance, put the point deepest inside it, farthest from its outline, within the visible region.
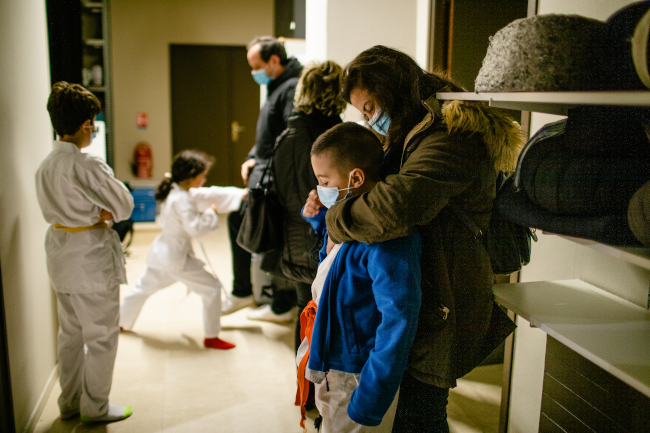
(142, 164)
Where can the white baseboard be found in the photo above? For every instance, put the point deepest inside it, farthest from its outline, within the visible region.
(42, 400)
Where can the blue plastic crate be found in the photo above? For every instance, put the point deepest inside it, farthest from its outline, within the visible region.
(144, 208)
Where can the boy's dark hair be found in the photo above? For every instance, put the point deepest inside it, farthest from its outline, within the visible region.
(269, 46)
(186, 165)
(70, 105)
(350, 146)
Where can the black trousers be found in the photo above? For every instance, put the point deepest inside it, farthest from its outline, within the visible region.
(421, 408)
(284, 294)
(241, 259)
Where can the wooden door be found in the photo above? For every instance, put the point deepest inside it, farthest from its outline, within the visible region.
(215, 104)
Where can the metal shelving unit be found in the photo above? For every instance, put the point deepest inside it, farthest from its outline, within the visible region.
(95, 36)
(552, 102)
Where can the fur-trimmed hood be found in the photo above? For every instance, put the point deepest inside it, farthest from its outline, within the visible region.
(502, 135)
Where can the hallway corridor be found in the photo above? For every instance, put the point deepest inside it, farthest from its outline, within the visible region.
(176, 386)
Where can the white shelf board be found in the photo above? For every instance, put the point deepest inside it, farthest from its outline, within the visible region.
(639, 256)
(552, 102)
(607, 330)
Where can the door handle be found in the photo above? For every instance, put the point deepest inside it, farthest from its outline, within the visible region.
(235, 129)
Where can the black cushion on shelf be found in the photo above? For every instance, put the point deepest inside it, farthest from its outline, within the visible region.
(638, 214)
(609, 130)
(592, 168)
(607, 229)
(618, 65)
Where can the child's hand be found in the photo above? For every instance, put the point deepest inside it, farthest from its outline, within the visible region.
(313, 205)
(214, 207)
(243, 197)
(105, 215)
(246, 169)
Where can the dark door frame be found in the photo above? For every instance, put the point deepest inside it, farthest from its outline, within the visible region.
(7, 423)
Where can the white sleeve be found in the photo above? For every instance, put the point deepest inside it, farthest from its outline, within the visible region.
(110, 194)
(196, 223)
(225, 198)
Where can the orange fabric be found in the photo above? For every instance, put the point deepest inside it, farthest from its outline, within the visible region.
(307, 318)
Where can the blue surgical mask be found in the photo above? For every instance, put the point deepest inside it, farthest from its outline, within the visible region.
(329, 196)
(260, 77)
(92, 136)
(380, 122)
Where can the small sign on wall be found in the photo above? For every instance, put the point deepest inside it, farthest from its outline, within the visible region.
(142, 120)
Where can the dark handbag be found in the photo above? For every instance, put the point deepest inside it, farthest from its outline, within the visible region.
(261, 227)
(507, 243)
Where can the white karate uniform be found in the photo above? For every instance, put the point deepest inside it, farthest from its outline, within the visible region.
(86, 269)
(171, 257)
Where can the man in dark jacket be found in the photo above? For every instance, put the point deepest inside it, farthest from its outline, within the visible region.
(271, 67)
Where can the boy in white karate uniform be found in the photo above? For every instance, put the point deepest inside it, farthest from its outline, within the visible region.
(77, 194)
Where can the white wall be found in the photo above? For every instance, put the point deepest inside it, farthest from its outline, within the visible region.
(141, 33)
(338, 30)
(25, 140)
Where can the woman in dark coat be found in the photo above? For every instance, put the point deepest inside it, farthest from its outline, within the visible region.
(317, 108)
(436, 154)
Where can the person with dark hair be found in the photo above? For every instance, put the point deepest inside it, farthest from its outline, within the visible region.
(436, 154)
(366, 298)
(187, 210)
(78, 193)
(270, 66)
(317, 108)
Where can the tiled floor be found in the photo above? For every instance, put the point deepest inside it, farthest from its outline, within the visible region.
(175, 385)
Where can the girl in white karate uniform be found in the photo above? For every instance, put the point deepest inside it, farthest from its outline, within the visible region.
(186, 211)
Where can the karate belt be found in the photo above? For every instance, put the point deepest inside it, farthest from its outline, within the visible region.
(307, 318)
(99, 225)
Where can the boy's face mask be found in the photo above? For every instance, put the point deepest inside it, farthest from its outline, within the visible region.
(329, 196)
(93, 131)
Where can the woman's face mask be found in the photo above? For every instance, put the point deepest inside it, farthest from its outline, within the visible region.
(329, 196)
(380, 122)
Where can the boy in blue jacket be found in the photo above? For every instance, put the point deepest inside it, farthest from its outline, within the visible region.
(366, 297)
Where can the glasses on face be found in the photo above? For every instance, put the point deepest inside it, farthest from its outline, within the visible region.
(93, 128)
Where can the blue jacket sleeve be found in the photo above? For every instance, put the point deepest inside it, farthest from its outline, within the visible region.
(394, 267)
(317, 222)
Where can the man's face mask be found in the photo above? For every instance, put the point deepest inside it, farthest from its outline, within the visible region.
(260, 77)
(329, 195)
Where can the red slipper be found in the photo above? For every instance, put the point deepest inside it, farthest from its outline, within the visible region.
(217, 343)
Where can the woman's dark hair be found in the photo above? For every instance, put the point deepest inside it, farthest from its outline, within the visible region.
(70, 105)
(397, 84)
(186, 165)
(351, 146)
(269, 46)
